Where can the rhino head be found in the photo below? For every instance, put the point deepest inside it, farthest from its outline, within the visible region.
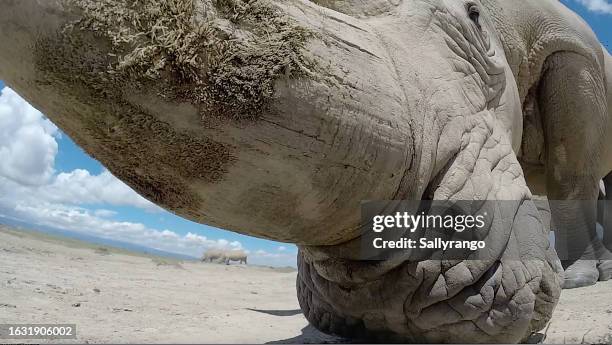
(277, 118)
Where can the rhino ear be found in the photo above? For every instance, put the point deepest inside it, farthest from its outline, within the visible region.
(360, 8)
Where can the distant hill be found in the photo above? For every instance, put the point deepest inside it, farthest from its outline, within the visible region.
(22, 226)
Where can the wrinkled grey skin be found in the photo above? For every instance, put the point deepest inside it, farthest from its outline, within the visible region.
(410, 100)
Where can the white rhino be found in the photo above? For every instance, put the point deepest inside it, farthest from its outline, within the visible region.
(276, 118)
(235, 255)
(214, 255)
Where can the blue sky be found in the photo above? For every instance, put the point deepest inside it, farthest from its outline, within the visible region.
(46, 179)
(598, 13)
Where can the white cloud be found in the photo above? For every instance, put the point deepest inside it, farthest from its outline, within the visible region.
(80, 187)
(599, 6)
(27, 143)
(99, 222)
(274, 259)
(36, 205)
(281, 248)
(105, 213)
(83, 221)
(28, 148)
(199, 241)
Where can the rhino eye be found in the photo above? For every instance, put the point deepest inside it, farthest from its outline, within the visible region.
(474, 13)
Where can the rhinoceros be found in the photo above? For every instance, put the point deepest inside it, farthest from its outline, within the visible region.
(214, 255)
(277, 118)
(235, 255)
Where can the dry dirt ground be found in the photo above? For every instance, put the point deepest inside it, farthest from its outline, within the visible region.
(120, 297)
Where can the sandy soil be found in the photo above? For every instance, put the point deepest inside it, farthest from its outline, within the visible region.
(115, 296)
(583, 316)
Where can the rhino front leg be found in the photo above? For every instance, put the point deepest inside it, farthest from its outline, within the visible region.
(573, 106)
(605, 266)
(607, 221)
(503, 299)
(433, 301)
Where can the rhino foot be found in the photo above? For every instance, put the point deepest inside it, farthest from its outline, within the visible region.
(604, 265)
(503, 299)
(506, 303)
(580, 273)
(586, 273)
(595, 265)
(605, 270)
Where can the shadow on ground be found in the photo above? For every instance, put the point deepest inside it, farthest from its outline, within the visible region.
(535, 338)
(311, 335)
(278, 312)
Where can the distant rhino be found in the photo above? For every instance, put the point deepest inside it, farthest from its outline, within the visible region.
(215, 255)
(235, 255)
